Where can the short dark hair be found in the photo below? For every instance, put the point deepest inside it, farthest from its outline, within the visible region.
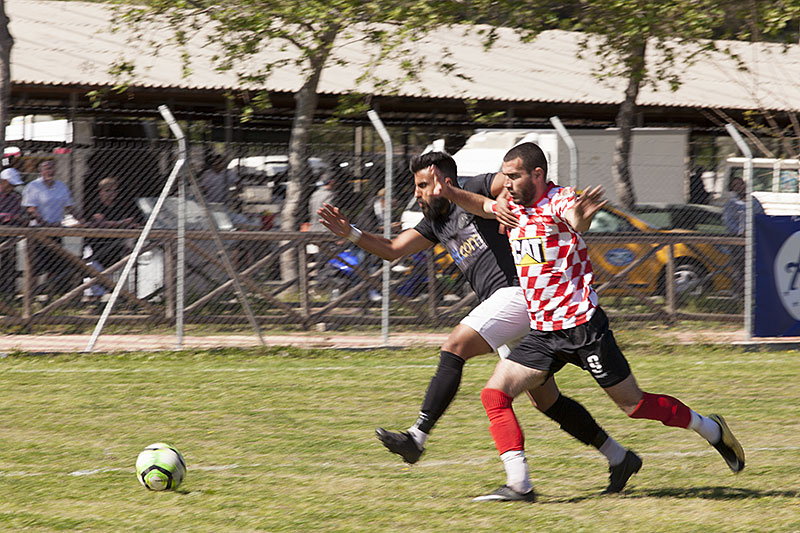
(441, 160)
(532, 156)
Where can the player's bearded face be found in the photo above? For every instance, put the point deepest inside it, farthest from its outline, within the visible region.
(435, 208)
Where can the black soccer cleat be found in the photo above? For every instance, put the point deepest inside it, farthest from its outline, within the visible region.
(507, 494)
(402, 444)
(620, 474)
(728, 447)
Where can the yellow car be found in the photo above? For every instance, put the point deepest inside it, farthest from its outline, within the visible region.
(698, 267)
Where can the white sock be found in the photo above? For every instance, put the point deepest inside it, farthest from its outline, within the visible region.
(613, 451)
(707, 428)
(517, 471)
(418, 435)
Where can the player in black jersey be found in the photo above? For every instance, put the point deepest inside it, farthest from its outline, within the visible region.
(483, 255)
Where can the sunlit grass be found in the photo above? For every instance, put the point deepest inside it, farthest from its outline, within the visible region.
(282, 440)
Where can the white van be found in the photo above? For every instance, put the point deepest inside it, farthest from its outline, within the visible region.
(658, 158)
(776, 183)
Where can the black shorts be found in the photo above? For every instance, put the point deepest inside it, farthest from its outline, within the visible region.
(590, 346)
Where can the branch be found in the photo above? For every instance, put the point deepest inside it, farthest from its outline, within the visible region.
(787, 149)
(746, 133)
(796, 128)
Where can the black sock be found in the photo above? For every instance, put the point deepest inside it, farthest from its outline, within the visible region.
(441, 390)
(576, 420)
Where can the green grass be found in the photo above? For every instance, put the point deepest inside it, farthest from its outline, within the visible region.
(282, 440)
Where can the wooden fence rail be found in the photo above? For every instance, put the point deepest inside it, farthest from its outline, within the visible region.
(306, 299)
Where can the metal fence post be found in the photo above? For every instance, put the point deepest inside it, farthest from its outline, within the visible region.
(748, 231)
(27, 280)
(387, 219)
(176, 169)
(573, 150)
(302, 276)
(669, 282)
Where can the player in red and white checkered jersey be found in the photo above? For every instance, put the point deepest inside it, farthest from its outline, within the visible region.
(568, 326)
(559, 292)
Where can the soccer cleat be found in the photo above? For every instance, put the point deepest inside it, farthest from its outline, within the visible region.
(620, 474)
(400, 443)
(507, 494)
(728, 446)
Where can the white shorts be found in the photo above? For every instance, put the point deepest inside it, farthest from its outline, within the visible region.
(502, 319)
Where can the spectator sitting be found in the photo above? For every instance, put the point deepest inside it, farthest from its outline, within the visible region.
(109, 213)
(217, 180)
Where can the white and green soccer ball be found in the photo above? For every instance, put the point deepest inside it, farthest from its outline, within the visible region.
(160, 467)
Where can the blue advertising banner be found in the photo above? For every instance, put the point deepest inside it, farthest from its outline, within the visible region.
(777, 276)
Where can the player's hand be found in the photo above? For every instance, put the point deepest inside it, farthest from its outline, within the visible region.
(440, 185)
(590, 202)
(503, 212)
(335, 221)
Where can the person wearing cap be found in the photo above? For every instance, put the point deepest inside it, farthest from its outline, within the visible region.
(11, 212)
(11, 174)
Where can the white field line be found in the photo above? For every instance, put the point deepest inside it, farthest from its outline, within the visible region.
(486, 362)
(234, 370)
(391, 465)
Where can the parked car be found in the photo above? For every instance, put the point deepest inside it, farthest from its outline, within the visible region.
(263, 179)
(691, 217)
(698, 267)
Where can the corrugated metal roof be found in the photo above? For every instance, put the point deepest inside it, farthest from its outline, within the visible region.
(71, 43)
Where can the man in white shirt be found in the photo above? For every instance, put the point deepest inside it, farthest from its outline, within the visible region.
(46, 198)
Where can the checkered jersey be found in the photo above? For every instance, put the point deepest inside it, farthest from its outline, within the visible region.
(552, 263)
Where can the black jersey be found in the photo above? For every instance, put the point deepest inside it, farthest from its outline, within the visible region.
(481, 252)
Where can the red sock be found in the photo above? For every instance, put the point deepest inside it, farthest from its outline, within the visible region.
(670, 411)
(503, 424)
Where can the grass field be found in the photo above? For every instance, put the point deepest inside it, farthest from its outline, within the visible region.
(282, 440)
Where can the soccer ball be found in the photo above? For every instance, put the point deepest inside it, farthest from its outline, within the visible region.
(160, 467)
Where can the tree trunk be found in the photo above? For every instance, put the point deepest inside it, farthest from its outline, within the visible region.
(6, 42)
(621, 168)
(300, 175)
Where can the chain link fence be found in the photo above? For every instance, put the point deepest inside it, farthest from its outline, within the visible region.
(682, 257)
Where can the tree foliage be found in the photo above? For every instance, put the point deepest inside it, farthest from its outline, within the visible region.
(650, 42)
(303, 35)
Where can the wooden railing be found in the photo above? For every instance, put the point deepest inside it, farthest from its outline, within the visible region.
(299, 302)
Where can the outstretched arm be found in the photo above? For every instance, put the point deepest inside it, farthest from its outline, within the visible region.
(580, 215)
(408, 242)
(474, 203)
